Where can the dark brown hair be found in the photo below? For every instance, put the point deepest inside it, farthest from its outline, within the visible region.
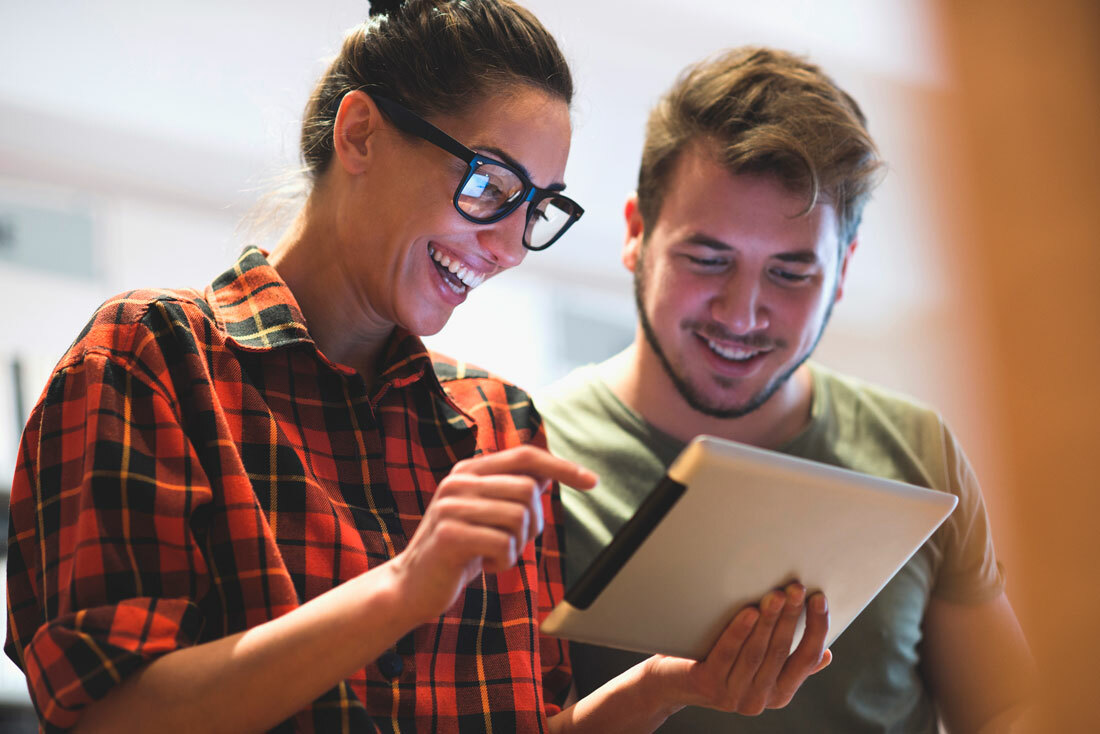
(433, 56)
(765, 111)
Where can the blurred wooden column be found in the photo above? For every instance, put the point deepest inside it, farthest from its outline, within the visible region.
(1028, 106)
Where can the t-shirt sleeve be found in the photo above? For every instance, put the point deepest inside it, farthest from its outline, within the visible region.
(969, 571)
(103, 567)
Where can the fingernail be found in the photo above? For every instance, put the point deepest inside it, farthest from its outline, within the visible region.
(773, 603)
(795, 596)
(749, 616)
(820, 605)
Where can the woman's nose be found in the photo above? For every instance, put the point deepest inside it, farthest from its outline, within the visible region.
(503, 240)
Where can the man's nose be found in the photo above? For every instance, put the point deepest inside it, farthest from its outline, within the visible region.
(739, 306)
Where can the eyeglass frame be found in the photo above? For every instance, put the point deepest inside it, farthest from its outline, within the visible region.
(412, 123)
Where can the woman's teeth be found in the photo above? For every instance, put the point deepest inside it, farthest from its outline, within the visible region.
(738, 354)
(468, 277)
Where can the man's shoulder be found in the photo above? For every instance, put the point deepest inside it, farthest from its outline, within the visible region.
(849, 393)
(578, 390)
(879, 430)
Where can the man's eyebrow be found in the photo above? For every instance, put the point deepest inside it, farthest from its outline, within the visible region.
(517, 165)
(808, 257)
(698, 238)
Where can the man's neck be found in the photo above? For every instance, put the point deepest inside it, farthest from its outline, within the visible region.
(637, 377)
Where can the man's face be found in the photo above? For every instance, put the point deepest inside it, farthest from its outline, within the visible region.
(733, 287)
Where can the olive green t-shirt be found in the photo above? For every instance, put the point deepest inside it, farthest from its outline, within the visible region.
(874, 683)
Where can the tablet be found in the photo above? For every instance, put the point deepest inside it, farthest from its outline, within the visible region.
(726, 524)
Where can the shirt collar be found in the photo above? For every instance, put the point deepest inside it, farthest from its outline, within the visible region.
(255, 309)
(254, 306)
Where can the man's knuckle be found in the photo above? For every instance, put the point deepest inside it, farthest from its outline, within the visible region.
(754, 657)
(729, 703)
(779, 701)
(752, 710)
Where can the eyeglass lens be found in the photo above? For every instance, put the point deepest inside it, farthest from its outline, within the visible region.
(489, 191)
(551, 215)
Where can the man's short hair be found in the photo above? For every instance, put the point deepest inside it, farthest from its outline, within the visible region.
(765, 111)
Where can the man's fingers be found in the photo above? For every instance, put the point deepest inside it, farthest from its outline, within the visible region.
(725, 651)
(779, 648)
(754, 649)
(812, 645)
(808, 657)
(529, 461)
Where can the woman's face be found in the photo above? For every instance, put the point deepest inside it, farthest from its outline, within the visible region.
(411, 256)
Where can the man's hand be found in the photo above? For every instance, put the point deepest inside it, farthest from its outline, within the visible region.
(483, 514)
(750, 668)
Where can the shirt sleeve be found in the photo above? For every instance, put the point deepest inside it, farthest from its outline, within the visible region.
(103, 567)
(557, 672)
(969, 571)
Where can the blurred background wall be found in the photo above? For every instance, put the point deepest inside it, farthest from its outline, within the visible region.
(1028, 112)
(134, 137)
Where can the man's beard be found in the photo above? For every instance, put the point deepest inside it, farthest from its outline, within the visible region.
(693, 397)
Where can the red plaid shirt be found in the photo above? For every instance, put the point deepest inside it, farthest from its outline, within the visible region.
(197, 467)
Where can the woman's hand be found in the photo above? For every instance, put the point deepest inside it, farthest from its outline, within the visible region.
(482, 516)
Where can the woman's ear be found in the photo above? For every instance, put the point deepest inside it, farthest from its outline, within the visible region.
(353, 135)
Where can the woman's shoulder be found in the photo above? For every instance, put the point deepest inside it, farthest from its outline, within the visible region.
(474, 390)
(467, 382)
(128, 324)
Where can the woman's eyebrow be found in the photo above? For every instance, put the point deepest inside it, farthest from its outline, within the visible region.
(558, 186)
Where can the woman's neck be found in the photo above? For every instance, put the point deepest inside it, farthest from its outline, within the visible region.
(345, 329)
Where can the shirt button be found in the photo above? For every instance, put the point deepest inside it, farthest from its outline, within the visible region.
(390, 665)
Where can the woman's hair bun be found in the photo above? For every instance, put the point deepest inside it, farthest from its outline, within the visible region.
(385, 6)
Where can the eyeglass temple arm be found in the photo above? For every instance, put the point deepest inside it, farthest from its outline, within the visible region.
(414, 125)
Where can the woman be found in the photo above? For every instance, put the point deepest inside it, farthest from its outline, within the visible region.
(266, 507)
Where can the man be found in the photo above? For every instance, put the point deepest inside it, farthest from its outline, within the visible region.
(754, 175)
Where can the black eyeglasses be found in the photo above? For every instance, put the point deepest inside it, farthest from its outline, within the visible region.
(491, 189)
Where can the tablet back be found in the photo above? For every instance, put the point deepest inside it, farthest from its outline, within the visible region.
(727, 524)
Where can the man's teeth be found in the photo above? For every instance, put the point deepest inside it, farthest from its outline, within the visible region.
(469, 278)
(732, 352)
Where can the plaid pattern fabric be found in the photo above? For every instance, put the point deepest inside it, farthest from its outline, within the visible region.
(197, 467)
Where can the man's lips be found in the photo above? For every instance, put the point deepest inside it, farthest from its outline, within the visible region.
(734, 351)
(730, 346)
